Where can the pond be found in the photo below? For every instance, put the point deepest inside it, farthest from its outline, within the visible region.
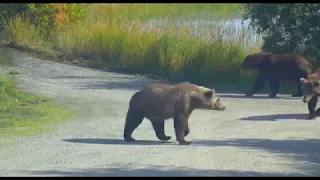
(224, 30)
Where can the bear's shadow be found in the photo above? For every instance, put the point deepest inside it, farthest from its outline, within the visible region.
(276, 117)
(256, 96)
(118, 141)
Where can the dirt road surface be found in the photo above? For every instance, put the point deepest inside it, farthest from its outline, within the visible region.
(254, 137)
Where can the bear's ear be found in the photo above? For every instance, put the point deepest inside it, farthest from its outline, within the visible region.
(302, 80)
(208, 94)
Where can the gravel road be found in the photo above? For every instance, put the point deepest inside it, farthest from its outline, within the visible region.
(256, 136)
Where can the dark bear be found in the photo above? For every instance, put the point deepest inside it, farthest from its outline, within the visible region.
(159, 102)
(277, 67)
(310, 87)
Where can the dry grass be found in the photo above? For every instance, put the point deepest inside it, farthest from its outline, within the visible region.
(200, 42)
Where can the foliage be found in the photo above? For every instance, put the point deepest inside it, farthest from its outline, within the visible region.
(201, 42)
(293, 27)
(11, 9)
(45, 15)
(57, 14)
(8, 11)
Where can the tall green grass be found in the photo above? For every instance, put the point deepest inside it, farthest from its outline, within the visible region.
(186, 41)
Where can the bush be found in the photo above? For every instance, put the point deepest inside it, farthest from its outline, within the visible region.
(48, 16)
(195, 44)
(293, 27)
(8, 11)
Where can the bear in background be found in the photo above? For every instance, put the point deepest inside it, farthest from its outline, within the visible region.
(310, 87)
(159, 102)
(277, 67)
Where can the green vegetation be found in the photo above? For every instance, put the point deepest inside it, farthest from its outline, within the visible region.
(24, 113)
(180, 41)
(292, 27)
(204, 43)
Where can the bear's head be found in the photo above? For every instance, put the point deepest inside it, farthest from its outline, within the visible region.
(310, 87)
(210, 100)
(249, 62)
(253, 61)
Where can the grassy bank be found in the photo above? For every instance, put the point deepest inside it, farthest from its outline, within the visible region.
(194, 42)
(22, 113)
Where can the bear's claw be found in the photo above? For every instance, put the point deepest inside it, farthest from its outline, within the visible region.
(184, 142)
(165, 138)
(129, 139)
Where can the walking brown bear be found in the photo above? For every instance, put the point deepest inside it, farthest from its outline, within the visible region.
(159, 102)
(311, 90)
(276, 67)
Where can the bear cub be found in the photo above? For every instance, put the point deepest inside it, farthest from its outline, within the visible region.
(310, 87)
(159, 102)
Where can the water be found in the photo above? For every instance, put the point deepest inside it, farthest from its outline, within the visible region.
(209, 29)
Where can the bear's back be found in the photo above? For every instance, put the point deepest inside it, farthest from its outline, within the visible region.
(159, 100)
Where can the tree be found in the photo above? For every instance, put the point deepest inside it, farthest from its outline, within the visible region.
(48, 16)
(8, 10)
(293, 27)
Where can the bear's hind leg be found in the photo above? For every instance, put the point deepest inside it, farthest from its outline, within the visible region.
(133, 120)
(274, 85)
(181, 127)
(158, 126)
(312, 107)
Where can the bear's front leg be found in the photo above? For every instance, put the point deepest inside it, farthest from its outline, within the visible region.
(187, 131)
(258, 84)
(299, 92)
(158, 126)
(180, 127)
(314, 115)
(312, 107)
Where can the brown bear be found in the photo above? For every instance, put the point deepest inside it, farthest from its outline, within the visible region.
(159, 102)
(310, 87)
(276, 67)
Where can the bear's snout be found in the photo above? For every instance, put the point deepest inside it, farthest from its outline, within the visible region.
(222, 108)
(219, 107)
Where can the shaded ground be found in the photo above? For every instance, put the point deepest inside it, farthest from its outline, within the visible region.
(257, 136)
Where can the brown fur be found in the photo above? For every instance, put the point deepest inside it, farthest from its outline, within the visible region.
(277, 67)
(159, 102)
(310, 87)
